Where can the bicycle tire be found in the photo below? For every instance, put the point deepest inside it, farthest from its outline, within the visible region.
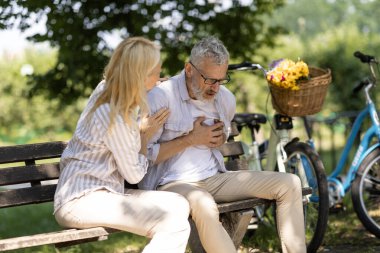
(365, 192)
(317, 209)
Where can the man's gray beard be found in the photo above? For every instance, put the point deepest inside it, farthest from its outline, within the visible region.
(198, 94)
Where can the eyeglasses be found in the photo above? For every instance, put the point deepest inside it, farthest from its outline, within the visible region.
(211, 81)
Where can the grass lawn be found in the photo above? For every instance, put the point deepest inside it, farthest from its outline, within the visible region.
(345, 232)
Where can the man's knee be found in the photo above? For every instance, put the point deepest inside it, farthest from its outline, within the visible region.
(294, 181)
(203, 206)
(291, 182)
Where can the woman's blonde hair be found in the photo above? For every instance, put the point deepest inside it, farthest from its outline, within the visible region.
(125, 74)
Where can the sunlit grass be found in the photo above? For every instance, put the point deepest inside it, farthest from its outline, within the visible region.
(345, 228)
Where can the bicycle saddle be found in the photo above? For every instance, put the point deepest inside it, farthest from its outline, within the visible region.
(242, 119)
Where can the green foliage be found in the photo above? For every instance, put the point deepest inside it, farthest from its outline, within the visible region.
(334, 49)
(326, 34)
(79, 29)
(306, 18)
(31, 119)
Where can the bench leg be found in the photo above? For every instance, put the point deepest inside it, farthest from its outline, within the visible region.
(235, 223)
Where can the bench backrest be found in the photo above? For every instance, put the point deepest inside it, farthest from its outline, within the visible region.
(30, 167)
(30, 173)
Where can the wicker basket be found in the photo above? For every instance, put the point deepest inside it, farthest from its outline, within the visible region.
(305, 101)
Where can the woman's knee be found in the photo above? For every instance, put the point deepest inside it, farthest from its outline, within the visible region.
(179, 205)
(175, 213)
(182, 204)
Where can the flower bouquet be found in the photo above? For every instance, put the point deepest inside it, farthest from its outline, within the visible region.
(296, 88)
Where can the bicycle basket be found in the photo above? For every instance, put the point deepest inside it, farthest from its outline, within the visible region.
(307, 100)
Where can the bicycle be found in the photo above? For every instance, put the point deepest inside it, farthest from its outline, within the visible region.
(292, 156)
(363, 176)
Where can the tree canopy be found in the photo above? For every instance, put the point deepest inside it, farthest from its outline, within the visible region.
(79, 30)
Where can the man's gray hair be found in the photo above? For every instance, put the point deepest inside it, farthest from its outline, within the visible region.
(209, 47)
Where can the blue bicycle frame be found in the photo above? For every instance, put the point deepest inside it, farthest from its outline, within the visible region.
(363, 149)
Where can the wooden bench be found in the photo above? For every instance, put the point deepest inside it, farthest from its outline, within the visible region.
(36, 168)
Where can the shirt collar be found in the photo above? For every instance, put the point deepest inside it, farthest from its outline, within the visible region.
(182, 87)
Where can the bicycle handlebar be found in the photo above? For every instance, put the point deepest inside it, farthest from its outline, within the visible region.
(243, 66)
(365, 58)
(360, 86)
(371, 60)
(247, 66)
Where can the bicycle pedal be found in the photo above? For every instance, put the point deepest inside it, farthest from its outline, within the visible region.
(338, 207)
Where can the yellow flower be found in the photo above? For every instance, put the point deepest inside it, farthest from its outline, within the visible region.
(285, 73)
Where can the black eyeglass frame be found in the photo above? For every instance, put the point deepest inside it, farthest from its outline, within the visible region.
(212, 81)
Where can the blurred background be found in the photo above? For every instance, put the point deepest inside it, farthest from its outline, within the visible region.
(53, 54)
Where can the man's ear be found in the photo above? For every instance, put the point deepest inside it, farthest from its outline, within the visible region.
(188, 69)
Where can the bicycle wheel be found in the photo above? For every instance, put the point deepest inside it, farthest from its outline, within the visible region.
(365, 192)
(303, 157)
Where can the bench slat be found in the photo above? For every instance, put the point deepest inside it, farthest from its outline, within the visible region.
(231, 149)
(234, 130)
(21, 153)
(237, 164)
(28, 195)
(241, 204)
(29, 173)
(54, 237)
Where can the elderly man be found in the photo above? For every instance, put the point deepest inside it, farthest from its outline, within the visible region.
(185, 159)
